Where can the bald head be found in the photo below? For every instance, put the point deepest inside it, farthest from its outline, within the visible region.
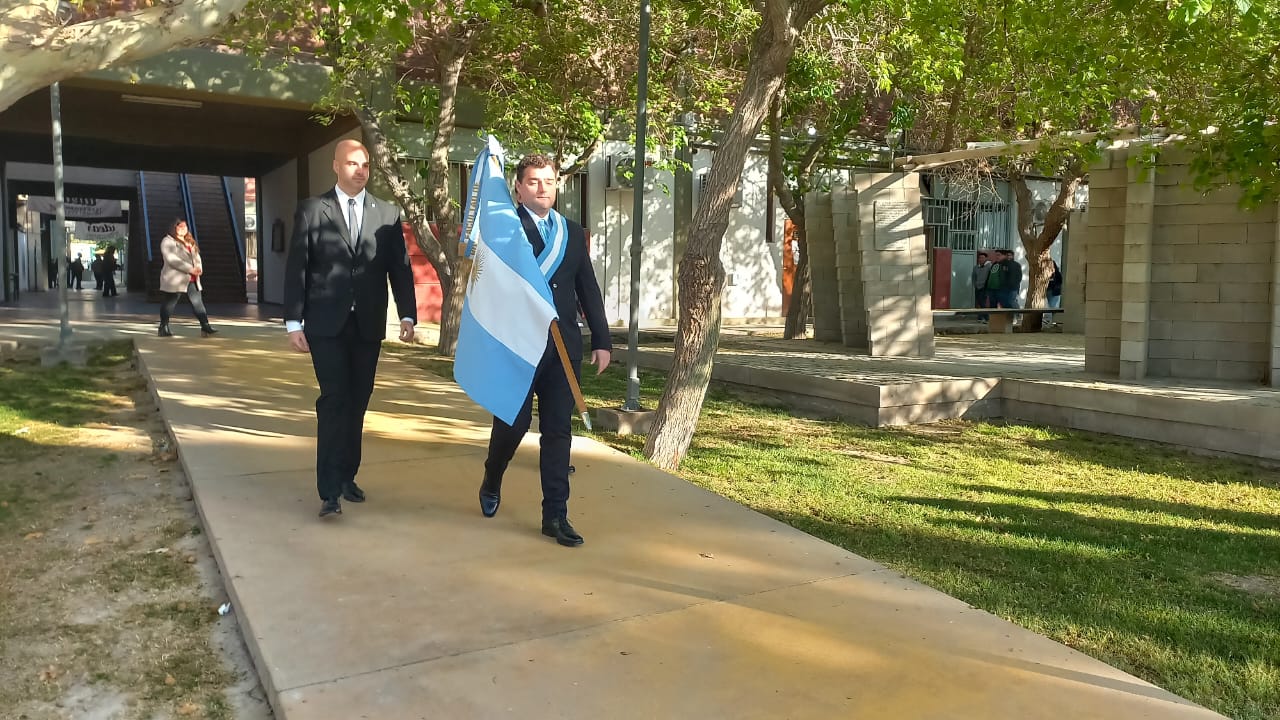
(351, 165)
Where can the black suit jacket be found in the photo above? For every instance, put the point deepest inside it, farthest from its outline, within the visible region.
(327, 271)
(574, 285)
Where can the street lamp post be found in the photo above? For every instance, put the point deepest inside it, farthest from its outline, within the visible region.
(60, 224)
(637, 215)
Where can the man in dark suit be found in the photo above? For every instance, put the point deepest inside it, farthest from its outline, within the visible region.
(346, 245)
(561, 248)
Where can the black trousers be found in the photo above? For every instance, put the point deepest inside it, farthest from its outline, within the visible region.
(171, 301)
(345, 366)
(555, 418)
(109, 285)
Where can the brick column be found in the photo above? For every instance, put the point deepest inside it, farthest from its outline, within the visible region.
(846, 223)
(885, 278)
(822, 267)
(1073, 269)
(1273, 369)
(1102, 263)
(1135, 299)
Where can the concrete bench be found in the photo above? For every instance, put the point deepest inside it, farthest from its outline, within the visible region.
(999, 320)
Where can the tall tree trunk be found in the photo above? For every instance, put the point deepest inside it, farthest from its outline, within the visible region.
(386, 159)
(797, 323)
(450, 60)
(1038, 244)
(701, 274)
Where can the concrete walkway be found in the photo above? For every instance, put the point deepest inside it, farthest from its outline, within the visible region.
(681, 604)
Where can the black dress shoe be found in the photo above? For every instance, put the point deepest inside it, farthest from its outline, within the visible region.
(331, 507)
(489, 502)
(490, 495)
(352, 493)
(562, 531)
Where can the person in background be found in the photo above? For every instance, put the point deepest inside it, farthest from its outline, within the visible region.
(95, 267)
(981, 269)
(1010, 279)
(107, 273)
(74, 272)
(1054, 293)
(180, 275)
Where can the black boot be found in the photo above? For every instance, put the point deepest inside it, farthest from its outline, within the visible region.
(206, 330)
(164, 330)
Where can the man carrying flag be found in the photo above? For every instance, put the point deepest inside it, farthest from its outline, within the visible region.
(523, 258)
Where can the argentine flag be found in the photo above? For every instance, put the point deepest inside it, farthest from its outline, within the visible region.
(508, 309)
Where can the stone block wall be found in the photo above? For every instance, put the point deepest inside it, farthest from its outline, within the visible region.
(822, 267)
(1178, 283)
(848, 267)
(870, 264)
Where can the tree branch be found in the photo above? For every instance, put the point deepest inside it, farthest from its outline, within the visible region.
(36, 51)
(777, 178)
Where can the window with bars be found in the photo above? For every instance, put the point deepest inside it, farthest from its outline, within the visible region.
(964, 225)
(937, 222)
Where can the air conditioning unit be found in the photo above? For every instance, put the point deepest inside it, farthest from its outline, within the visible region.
(622, 174)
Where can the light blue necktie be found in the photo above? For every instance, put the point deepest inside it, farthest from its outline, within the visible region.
(544, 227)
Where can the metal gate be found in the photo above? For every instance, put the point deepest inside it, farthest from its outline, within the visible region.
(963, 226)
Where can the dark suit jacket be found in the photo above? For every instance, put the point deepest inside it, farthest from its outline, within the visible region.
(574, 285)
(327, 272)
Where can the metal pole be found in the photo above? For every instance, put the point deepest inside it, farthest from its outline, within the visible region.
(60, 229)
(637, 215)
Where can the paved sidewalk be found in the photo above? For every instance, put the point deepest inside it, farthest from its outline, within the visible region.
(681, 605)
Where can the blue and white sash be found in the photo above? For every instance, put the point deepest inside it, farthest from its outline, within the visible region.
(553, 250)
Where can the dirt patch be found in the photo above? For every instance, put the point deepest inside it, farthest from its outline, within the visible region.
(1260, 585)
(945, 429)
(108, 588)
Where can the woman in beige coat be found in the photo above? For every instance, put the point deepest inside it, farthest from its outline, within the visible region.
(180, 275)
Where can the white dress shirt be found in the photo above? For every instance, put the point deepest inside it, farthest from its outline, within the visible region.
(342, 203)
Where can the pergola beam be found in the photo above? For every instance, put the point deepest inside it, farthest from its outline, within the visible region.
(918, 163)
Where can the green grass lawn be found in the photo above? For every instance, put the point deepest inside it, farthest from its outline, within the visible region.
(1128, 551)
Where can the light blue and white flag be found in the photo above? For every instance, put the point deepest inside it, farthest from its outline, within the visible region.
(508, 309)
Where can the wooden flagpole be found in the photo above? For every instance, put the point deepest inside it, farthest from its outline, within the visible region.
(569, 374)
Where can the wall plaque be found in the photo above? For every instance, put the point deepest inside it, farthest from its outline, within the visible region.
(892, 228)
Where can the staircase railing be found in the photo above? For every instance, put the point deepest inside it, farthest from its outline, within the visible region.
(146, 218)
(235, 226)
(188, 206)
